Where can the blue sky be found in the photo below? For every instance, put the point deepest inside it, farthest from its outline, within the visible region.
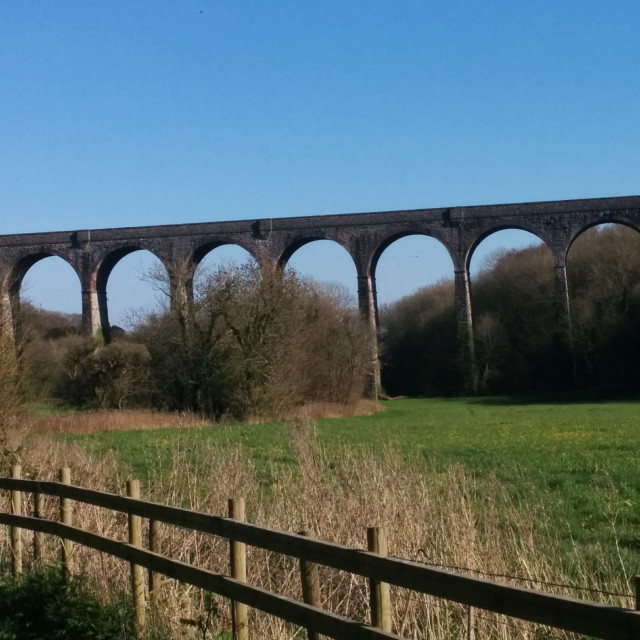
(134, 113)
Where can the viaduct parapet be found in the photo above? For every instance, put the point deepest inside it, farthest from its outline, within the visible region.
(93, 253)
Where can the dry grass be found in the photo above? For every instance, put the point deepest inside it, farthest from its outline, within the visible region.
(131, 419)
(112, 420)
(318, 410)
(444, 517)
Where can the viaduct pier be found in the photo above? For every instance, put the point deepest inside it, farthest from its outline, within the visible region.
(93, 253)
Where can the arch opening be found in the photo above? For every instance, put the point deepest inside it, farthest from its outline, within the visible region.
(417, 328)
(136, 284)
(515, 314)
(327, 265)
(335, 361)
(497, 242)
(408, 263)
(47, 309)
(211, 258)
(49, 282)
(603, 270)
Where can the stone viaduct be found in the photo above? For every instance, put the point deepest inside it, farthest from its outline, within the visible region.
(94, 253)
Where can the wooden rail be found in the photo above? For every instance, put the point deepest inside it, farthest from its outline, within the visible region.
(569, 614)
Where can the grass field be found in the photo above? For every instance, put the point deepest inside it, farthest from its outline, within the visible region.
(541, 494)
(580, 460)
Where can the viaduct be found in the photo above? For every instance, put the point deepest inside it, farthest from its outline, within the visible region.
(94, 253)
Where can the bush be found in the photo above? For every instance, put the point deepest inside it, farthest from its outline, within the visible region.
(254, 345)
(42, 606)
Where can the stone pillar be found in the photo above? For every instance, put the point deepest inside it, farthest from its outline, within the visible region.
(95, 317)
(368, 306)
(91, 324)
(181, 274)
(103, 310)
(13, 291)
(464, 320)
(565, 364)
(6, 311)
(562, 306)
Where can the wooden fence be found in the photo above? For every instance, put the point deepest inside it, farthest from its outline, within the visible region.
(569, 614)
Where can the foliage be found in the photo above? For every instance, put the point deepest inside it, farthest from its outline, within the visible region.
(419, 345)
(247, 343)
(253, 344)
(42, 606)
(604, 281)
(111, 375)
(521, 341)
(11, 401)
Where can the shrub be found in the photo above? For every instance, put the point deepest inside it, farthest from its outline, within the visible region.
(42, 606)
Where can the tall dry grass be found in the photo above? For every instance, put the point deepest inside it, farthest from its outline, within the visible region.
(112, 420)
(446, 517)
(103, 420)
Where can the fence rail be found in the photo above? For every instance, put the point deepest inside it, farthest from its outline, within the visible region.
(568, 614)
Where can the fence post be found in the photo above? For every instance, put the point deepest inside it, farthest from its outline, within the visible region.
(16, 532)
(379, 591)
(637, 589)
(137, 576)
(66, 518)
(310, 588)
(38, 537)
(471, 623)
(154, 545)
(238, 553)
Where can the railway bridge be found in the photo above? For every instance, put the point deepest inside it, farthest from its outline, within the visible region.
(93, 253)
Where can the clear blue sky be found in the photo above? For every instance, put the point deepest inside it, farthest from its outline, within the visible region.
(133, 113)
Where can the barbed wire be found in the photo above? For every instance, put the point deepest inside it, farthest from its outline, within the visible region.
(524, 579)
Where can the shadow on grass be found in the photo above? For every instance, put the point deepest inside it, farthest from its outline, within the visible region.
(600, 395)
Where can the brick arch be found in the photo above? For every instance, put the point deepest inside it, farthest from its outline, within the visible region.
(298, 243)
(596, 223)
(372, 264)
(468, 255)
(99, 277)
(15, 274)
(206, 247)
(18, 270)
(106, 263)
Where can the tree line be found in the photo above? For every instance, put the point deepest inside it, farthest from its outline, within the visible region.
(515, 328)
(250, 344)
(247, 344)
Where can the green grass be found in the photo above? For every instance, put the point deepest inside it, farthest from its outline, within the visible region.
(580, 459)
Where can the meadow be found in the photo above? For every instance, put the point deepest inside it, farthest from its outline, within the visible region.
(579, 459)
(545, 492)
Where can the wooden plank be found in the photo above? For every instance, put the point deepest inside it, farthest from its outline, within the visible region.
(330, 624)
(570, 614)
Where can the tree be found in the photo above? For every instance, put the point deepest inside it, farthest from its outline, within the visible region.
(419, 343)
(10, 393)
(253, 344)
(109, 375)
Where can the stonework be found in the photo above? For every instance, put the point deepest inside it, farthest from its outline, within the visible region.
(94, 253)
